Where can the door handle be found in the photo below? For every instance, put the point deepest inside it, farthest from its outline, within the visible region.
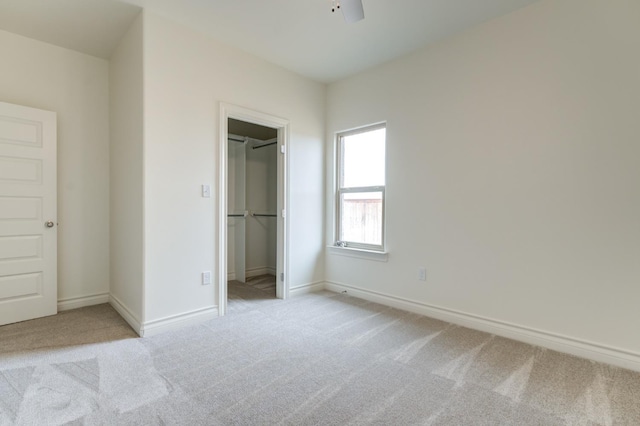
(49, 224)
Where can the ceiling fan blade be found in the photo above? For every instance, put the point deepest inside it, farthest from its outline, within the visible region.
(352, 10)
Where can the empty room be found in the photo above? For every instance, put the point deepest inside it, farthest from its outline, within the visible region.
(318, 212)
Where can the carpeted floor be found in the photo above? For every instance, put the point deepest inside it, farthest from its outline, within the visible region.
(326, 359)
(250, 294)
(69, 328)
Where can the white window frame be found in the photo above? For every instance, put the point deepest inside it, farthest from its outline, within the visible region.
(346, 190)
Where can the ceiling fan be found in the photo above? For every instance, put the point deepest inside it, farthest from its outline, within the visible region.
(352, 10)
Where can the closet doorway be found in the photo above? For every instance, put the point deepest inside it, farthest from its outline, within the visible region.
(253, 187)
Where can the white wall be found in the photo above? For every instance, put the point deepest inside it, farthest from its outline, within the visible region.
(126, 173)
(75, 86)
(186, 77)
(512, 171)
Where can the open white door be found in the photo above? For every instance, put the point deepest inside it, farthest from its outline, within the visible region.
(28, 216)
(237, 206)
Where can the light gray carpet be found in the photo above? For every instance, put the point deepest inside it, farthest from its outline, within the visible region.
(324, 359)
(247, 295)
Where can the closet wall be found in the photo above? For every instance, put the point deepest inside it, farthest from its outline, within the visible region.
(258, 169)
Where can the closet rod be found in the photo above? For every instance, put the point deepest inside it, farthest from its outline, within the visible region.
(238, 214)
(266, 144)
(243, 139)
(237, 138)
(263, 215)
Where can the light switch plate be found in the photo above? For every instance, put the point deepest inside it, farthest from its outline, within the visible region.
(422, 273)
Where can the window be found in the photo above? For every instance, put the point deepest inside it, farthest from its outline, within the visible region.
(361, 187)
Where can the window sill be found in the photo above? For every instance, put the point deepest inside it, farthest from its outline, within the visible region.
(378, 256)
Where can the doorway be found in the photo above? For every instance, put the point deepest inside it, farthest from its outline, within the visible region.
(251, 213)
(253, 223)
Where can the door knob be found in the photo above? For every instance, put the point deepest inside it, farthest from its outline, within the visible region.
(49, 224)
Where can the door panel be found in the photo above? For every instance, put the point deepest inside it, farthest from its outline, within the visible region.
(20, 287)
(18, 170)
(20, 131)
(20, 248)
(28, 253)
(238, 205)
(20, 208)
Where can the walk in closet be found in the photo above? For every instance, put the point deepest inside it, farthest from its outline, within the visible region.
(252, 204)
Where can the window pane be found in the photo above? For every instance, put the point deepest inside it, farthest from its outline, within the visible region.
(363, 159)
(361, 220)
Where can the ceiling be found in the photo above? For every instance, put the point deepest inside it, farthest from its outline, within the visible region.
(300, 35)
(89, 26)
(255, 131)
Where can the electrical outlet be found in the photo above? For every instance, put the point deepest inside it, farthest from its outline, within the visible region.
(422, 273)
(206, 277)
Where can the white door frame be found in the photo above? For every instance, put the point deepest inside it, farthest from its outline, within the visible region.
(228, 111)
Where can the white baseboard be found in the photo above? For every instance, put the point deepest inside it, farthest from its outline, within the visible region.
(573, 346)
(263, 270)
(82, 301)
(307, 288)
(126, 314)
(151, 328)
(253, 272)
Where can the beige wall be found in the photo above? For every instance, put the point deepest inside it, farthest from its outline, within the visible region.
(75, 86)
(512, 171)
(186, 77)
(126, 174)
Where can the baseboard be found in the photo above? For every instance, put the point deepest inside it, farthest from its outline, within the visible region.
(126, 314)
(557, 342)
(307, 288)
(263, 270)
(174, 322)
(253, 272)
(82, 301)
